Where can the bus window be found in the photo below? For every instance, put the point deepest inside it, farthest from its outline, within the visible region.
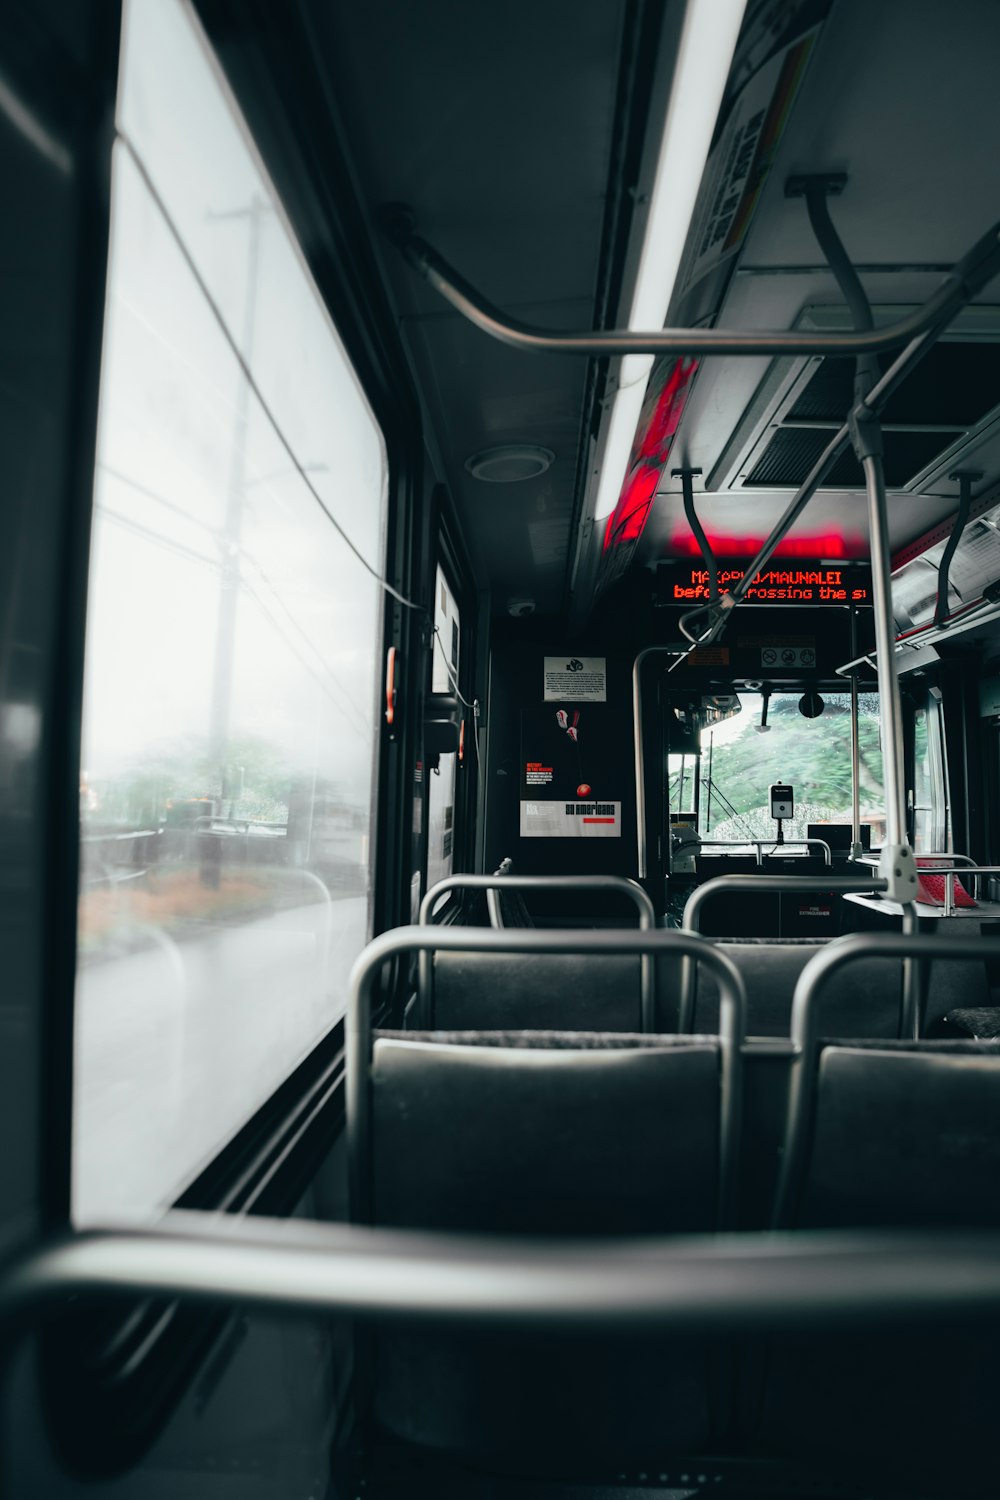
(931, 821)
(232, 649)
(738, 762)
(444, 679)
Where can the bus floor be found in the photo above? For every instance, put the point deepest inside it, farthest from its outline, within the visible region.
(393, 1470)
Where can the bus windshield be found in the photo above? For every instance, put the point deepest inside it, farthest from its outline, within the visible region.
(738, 761)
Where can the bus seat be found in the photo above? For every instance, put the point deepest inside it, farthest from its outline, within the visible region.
(953, 983)
(889, 1134)
(507, 908)
(980, 1021)
(514, 991)
(545, 1133)
(864, 1001)
(905, 1135)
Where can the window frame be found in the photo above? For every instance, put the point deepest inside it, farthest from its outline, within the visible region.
(929, 701)
(302, 145)
(449, 553)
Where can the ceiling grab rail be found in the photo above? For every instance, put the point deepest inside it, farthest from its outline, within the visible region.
(971, 273)
(965, 478)
(698, 531)
(919, 330)
(897, 864)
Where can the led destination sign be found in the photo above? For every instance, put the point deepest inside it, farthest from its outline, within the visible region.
(792, 583)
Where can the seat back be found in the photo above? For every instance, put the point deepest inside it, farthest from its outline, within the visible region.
(511, 992)
(507, 907)
(866, 1001)
(543, 1134)
(560, 1132)
(954, 983)
(542, 991)
(888, 1135)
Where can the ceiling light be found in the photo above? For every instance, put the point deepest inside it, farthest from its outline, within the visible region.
(618, 447)
(704, 56)
(510, 464)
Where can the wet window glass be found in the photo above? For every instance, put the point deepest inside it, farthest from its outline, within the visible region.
(931, 831)
(727, 781)
(232, 642)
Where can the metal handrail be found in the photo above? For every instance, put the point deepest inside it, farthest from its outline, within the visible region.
(951, 874)
(744, 885)
(640, 772)
(691, 1283)
(969, 275)
(961, 864)
(760, 845)
(594, 883)
(945, 854)
(618, 884)
(979, 261)
(732, 1021)
(805, 1033)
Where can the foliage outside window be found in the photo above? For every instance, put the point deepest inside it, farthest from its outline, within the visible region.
(737, 764)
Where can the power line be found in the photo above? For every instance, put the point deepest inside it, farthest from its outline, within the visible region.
(248, 375)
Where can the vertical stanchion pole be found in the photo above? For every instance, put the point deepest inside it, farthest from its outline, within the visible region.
(897, 865)
(856, 850)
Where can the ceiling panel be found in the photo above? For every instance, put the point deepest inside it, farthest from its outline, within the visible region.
(900, 97)
(494, 123)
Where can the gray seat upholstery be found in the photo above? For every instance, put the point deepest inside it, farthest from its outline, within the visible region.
(540, 1134)
(864, 1001)
(539, 990)
(953, 983)
(903, 1134)
(514, 991)
(971, 1021)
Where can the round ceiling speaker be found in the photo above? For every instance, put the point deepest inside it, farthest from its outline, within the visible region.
(510, 464)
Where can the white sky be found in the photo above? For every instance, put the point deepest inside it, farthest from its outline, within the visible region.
(179, 436)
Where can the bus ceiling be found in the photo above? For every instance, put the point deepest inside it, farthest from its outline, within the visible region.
(551, 154)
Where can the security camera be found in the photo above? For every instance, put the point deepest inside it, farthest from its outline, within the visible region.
(519, 607)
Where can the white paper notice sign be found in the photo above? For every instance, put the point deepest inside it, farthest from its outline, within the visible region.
(576, 679)
(571, 820)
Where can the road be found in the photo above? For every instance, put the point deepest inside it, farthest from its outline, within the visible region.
(178, 1043)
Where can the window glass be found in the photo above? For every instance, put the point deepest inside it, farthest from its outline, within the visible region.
(930, 801)
(738, 763)
(682, 778)
(441, 789)
(231, 656)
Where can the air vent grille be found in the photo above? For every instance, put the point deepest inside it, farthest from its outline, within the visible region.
(955, 385)
(793, 450)
(955, 388)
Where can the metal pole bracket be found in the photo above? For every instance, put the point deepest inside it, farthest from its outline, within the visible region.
(866, 432)
(897, 866)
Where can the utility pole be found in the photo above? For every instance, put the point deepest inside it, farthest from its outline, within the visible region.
(229, 582)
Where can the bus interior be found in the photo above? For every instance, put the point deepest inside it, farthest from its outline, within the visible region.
(500, 749)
